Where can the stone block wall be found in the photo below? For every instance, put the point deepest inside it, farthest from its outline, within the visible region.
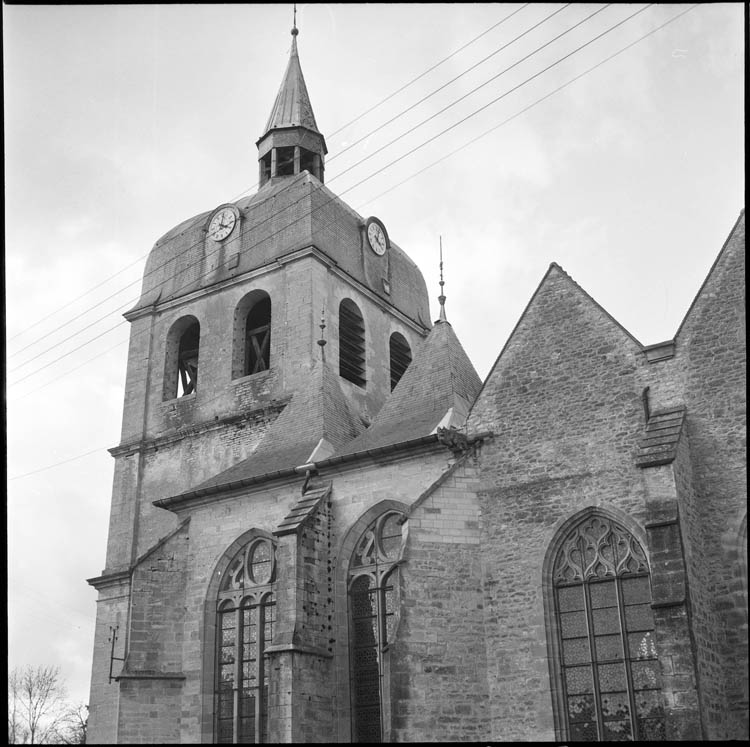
(111, 612)
(564, 404)
(157, 608)
(149, 711)
(438, 659)
(711, 348)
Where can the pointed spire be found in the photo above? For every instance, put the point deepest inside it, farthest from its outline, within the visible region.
(291, 142)
(441, 297)
(292, 107)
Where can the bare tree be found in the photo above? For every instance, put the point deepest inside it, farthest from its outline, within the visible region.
(38, 711)
(73, 728)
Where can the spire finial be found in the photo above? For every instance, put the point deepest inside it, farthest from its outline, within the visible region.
(295, 31)
(441, 297)
(322, 341)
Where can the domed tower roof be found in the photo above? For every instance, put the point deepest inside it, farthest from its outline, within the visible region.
(292, 211)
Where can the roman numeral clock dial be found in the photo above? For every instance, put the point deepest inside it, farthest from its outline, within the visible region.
(222, 224)
(377, 237)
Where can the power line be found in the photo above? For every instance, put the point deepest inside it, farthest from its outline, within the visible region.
(498, 98)
(429, 70)
(448, 155)
(56, 464)
(494, 77)
(619, 23)
(70, 303)
(453, 80)
(532, 105)
(197, 262)
(237, 197)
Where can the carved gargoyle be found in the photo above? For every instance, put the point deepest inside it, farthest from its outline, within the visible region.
(454, 439)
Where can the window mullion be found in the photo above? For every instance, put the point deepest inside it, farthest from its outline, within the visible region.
(379, 625)
(260, 630)
(592, 650)
(626, 657)
(237, 689)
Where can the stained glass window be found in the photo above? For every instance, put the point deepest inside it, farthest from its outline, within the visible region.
(611, 676)
(373, 605)
(246, 613)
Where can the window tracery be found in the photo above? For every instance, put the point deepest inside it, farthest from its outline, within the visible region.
(609, 668)
(246, 614)
(373, 618)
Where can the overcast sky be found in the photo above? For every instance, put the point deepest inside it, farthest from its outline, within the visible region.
(122, 121)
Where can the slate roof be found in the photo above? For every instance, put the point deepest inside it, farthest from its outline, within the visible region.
(303, 509)
(659, 444)
(315, 422)
(438, 388)
(292, 214)
(292, 107)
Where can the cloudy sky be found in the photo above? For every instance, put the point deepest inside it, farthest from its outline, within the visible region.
(122, 121)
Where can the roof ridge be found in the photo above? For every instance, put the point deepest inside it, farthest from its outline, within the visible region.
(714, 265)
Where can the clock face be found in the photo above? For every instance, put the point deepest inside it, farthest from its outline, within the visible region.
(376, 237)
(222, 224)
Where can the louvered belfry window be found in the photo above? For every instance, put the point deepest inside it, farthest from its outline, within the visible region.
(400, 357)
(246, 613)
(351, 343)
(258, 337)
(373, 606)
(610, 672)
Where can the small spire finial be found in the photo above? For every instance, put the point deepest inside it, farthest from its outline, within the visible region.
(322, 341)
(441, 297)
(295, 31)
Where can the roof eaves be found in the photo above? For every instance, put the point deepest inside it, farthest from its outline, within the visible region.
(181, 499)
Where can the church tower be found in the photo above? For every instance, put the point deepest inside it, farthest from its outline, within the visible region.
(325, 528)
(232, 377)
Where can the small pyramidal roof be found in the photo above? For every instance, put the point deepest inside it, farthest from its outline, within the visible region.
(437, 390)
(292, 107)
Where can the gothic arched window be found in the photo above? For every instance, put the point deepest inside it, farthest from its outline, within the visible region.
(373, 615)
(400, 357)
(351, 343)
(252, 335)
(246, 612)
(609, 674)
(181, 354)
